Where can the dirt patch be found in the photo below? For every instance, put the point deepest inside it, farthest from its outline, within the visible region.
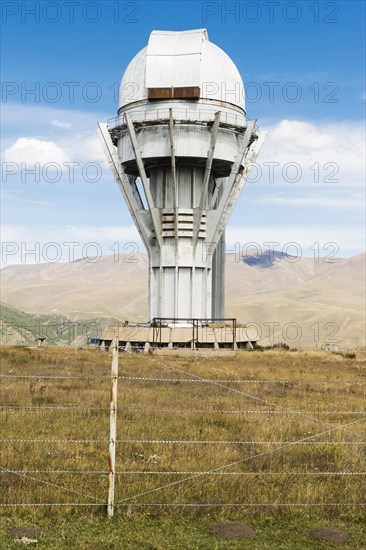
(233, 530)
(331, 534)
(29, 532)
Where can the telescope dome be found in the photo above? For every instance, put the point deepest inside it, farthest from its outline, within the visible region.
(181, 65)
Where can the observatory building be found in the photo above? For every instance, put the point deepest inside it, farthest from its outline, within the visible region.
(181, 149)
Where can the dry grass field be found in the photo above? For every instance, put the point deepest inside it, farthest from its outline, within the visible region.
(281, 435)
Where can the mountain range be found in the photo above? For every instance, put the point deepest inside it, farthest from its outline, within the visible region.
(299, 301)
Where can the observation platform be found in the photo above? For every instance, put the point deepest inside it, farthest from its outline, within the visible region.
(182, 333)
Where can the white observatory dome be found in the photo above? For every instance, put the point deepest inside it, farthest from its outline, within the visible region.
(182, 65)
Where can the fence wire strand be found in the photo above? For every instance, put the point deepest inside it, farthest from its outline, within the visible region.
(44, 482)
(187, 380)
(235, 463)
(172, 410)
(182, 441)
(172, 472)
(196, 505)
(259, 399)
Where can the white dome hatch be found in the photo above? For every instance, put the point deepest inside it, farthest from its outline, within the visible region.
(181, 65)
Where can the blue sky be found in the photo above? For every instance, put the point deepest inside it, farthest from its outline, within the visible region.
(303, 64)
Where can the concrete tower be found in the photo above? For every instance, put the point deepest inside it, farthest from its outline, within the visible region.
(181, 149)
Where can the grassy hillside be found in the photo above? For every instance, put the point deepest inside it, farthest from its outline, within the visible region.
(16, 327)
(19, 328)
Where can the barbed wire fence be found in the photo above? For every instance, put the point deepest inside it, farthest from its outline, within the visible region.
(112, 443)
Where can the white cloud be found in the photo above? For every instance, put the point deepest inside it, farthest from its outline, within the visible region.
(61, 124)
(93, 150)
(36, 244)
(102, 234)
(296, 135)
(354, 201)
(22, 201)
(60, 233)
(31, 150)
(78, 148)
(79, 144)
(349, 239)
(38, 118)
(326, 154)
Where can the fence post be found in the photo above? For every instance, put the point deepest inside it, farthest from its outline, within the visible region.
(113, 426)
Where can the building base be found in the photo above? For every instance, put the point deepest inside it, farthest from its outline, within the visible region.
(193, 334)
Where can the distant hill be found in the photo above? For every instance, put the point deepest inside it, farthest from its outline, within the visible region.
(267, 258)
(80, 289)
(19, 328)
(326, 300)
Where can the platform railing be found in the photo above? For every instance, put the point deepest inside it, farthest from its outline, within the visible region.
(192, 115)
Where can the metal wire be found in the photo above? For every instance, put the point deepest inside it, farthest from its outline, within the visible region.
(28, 504)
(172, 410)
(235, 463)
(247, 504)
(238, 381)
(233, 411)
(256, 398)
(192, 505)
(56, 408)
(156, 472)
(218, 442)
(182, 441)
(57, 377)
(247, 473)
(223, 442)
(44, 482)
(189, 380)
(54, 440)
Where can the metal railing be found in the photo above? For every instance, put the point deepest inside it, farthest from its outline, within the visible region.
(179, 115)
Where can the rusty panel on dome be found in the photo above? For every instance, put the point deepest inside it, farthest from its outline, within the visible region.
(187, 92)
